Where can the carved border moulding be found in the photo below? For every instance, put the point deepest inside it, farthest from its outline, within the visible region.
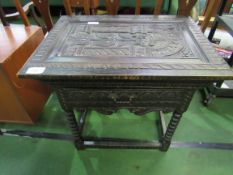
(189, 85)
(159, 66)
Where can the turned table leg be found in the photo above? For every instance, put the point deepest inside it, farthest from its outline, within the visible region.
(176, 116)
(166, 140)
(75, 129)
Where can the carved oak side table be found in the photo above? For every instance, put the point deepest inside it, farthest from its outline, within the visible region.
(142, 63)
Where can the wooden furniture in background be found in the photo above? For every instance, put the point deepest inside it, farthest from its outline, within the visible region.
(218, 90)
(214, 12)
(113, 6)
(87, 5)
(185, 7)
(2, 16)
(157, 9)
(21, 12)
(43, 8)
(44, 20)
(20, 101)
(212, 8)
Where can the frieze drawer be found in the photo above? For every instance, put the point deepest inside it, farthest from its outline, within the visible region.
(120, 98)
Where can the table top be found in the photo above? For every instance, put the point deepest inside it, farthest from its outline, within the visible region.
(126, 47)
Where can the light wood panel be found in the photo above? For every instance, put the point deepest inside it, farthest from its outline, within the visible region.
(21, 100)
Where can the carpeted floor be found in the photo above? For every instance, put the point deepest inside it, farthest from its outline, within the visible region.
(26, 156)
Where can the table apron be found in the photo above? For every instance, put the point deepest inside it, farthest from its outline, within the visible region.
(136, 100)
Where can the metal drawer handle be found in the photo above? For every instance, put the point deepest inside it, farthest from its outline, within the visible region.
(131, 97)
(114, 98)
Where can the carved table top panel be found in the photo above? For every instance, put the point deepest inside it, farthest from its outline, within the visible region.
(126, 47)
(125, 40)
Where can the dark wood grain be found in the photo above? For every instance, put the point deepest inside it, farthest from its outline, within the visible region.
(43, 8)
(158, 7)
(141, 63)
(127, 47)
(113, 6)
(185, 7)
(86, 5)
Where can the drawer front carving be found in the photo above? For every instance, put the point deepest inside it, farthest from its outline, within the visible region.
(121, 98)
